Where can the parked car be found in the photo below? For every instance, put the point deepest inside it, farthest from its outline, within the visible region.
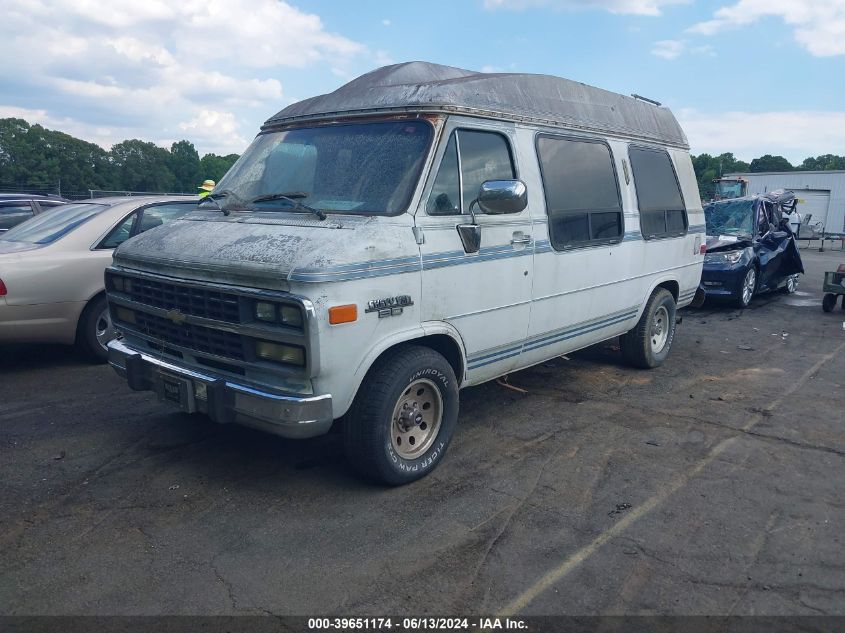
(420, 229)
(750, 247)
(20, 207)
(51, 268)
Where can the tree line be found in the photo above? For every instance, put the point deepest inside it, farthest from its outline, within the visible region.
(708, 168)
(34, 159)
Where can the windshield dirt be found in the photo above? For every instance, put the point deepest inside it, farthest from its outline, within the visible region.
(367, 168)
(56, 223)
(731, 217)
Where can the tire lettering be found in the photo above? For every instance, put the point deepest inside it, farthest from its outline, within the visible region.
(433, 373)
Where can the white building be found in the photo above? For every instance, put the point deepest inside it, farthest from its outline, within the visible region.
(821, 193)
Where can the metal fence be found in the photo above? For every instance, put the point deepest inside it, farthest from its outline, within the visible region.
(55, 189)
(103, 193)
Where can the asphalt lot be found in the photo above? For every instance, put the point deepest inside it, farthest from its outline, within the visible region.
(712, 485)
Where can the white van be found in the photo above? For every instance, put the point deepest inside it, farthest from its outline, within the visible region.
(419, 230)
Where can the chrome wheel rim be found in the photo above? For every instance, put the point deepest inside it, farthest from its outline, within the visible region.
(790, 285)
(748, 286)
(659, 329)
(416, 419)
(103, 328)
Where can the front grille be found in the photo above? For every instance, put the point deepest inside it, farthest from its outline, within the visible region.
(188, 335)
(200, 302)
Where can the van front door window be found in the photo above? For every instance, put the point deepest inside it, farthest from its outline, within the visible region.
(483, 156)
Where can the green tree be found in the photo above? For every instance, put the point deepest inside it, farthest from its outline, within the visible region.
(215, 167)
(708, 168)
(826, 162)
(185, 166)
(770, 163)
(142, 166)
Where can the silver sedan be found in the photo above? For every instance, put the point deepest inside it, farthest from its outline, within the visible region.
(51, 268)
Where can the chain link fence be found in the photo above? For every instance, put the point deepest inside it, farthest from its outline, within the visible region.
(55, 189)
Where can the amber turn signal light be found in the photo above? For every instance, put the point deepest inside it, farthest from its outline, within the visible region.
(343, 314)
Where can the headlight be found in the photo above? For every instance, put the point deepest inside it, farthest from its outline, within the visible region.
(290, 315)
(280, 353)
(282, 313)
(265, 311)
(730, 257)
(121, 284)
(124, 314)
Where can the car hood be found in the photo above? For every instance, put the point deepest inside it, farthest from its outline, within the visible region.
(268, 251)
(716, 243)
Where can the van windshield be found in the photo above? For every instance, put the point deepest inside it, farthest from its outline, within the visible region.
(369, 168)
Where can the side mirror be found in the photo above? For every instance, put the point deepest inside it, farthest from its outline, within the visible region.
(498, 197)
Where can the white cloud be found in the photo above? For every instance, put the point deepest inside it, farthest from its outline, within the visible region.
(672, 49)
(819, 25)
(142, 67)
(793, 134)
(633, 7)
(212, 124)
(668, 49)
(386, 22)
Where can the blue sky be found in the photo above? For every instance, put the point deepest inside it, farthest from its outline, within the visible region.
(747, 76)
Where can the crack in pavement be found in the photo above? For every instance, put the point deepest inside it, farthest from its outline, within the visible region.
(677, 483)
(774, 438)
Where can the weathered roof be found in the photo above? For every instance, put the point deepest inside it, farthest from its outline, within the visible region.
(544, 99)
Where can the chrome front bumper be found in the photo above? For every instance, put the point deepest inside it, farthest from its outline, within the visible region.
(222, 400)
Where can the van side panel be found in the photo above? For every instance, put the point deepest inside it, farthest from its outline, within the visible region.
(585, 295)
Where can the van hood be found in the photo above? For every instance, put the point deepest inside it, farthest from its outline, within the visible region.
(270, 250)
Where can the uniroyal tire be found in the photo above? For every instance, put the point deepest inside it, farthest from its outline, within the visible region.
(392, 435)
(647, 345)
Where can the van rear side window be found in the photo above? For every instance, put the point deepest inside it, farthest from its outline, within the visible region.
(582, 196)
(662, 210)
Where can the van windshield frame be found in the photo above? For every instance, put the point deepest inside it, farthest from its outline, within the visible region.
(353, 167)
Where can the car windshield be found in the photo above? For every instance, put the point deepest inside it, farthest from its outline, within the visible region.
(47, 227)
(730, 217)
(367, 168)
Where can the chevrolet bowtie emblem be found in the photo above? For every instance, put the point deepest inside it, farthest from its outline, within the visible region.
(176, 316)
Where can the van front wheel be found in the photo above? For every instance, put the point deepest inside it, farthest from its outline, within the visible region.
(403, 416)
(647, 345)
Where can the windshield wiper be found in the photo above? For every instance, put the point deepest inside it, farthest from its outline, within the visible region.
(294, 198)
(214, 197)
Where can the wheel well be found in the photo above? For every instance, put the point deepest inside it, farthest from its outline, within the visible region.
(84, 311)
(444, 345)
(671, 286)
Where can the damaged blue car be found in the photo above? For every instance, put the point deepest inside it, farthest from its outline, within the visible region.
(750, 248)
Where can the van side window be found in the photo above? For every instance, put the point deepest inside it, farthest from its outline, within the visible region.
(582, 196)
(445, 198)
(483, 156)
(662, 210)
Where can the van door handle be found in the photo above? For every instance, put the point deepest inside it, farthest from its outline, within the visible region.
(520, 238)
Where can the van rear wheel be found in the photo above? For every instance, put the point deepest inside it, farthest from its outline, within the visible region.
(647, 345)
(403, 416)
